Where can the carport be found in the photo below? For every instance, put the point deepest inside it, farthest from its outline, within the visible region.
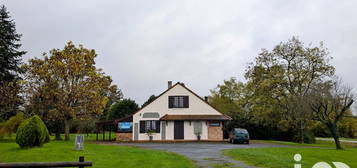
(105, 126)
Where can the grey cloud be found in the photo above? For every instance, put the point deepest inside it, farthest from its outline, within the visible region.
(142, 44)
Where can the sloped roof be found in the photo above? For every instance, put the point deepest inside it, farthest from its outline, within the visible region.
(178, 83)
(128, 118)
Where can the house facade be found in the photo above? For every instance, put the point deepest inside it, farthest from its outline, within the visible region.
(176, 114)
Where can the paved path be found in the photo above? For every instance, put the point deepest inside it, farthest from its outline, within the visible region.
(341, 140)
(204, 154)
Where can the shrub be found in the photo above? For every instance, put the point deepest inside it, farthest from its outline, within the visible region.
(308, 137)
(10, 126)
(320, 130)
(348, 128)
(32, 132)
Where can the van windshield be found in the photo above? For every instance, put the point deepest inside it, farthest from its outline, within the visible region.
(241, 131)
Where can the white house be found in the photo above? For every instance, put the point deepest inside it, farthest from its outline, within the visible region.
(176, 114)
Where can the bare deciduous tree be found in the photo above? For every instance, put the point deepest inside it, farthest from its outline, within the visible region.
(330, 102)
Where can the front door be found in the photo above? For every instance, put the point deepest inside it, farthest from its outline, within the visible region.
(178, 130)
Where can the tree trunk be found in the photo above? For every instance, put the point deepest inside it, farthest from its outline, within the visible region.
(335, 135)
(66, 130)
(301, 132)
(58, 135)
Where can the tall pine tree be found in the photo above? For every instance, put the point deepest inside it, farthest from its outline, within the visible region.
(10, 61)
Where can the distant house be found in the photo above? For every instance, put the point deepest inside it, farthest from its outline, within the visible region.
(176, 114)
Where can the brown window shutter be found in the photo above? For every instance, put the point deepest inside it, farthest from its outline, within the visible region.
(157, 126)
(185, 101)
(142, 127)
(171, 101)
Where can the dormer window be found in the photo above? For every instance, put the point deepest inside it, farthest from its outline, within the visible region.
(178, 102)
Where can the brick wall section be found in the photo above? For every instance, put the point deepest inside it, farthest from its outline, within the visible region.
(215, 132)
(124, 137)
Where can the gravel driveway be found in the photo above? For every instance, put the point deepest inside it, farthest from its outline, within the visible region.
(204, 154)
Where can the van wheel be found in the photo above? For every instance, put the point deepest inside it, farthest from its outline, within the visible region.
(248, 142)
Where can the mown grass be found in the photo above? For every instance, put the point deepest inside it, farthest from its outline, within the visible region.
(282, 157)
(102, 156)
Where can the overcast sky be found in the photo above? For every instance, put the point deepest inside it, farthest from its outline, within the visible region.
(143, 44)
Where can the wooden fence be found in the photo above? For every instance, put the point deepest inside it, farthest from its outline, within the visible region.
(80, 164)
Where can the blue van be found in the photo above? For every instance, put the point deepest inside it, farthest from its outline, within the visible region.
(239, 135)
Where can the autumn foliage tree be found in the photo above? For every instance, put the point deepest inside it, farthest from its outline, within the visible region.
(280, 79)
(231, 98)
(65, 85)
(114, 94)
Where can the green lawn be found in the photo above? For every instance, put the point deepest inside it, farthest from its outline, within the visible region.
(104, 156)
(283, 157)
